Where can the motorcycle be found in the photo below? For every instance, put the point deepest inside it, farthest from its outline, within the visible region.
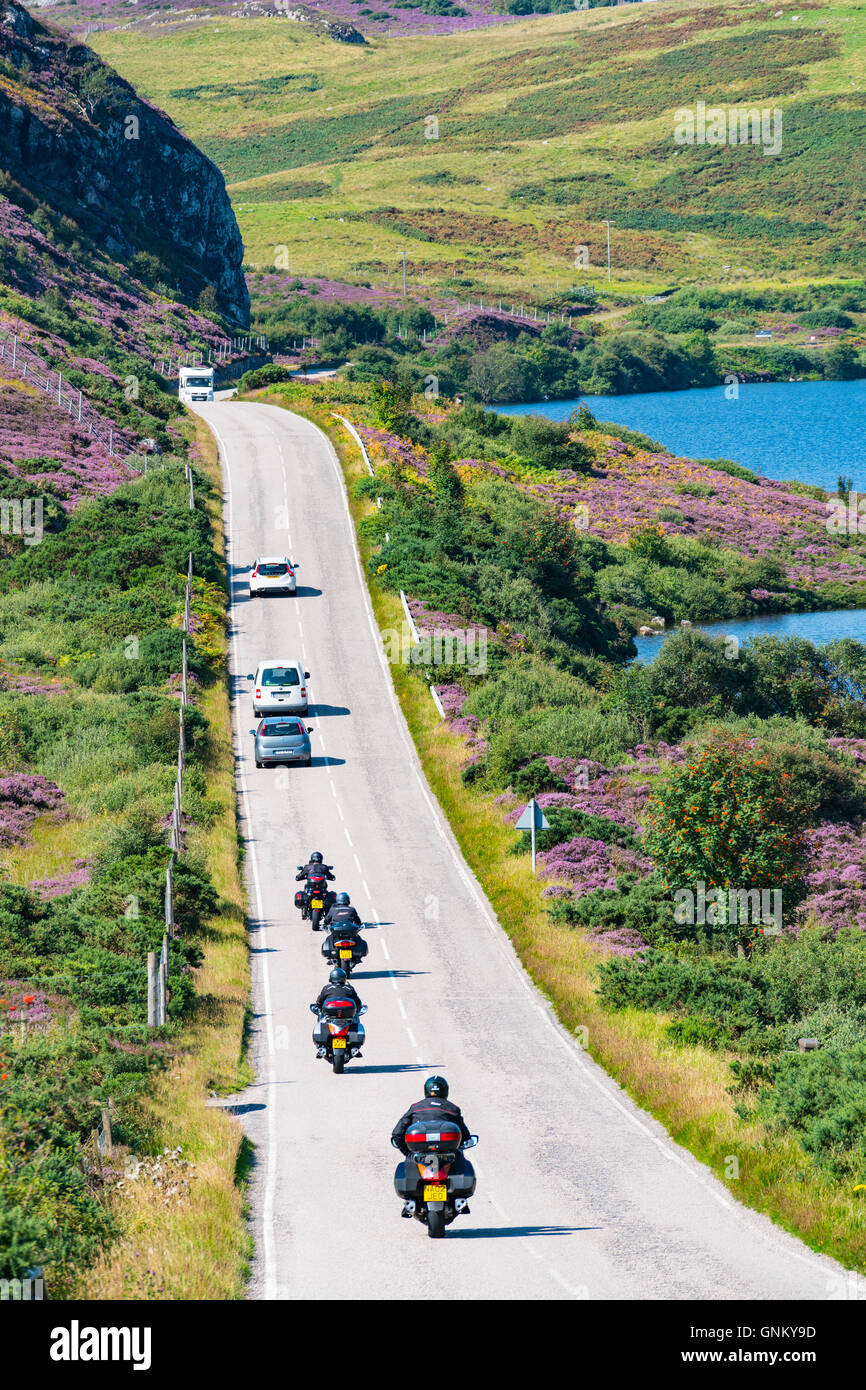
(339, 1030)
(435, 1182)
(344, 947)
(314, 899)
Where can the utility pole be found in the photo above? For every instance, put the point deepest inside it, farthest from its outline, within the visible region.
(403, 253)
(607, 224)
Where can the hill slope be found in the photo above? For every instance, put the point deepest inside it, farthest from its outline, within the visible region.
(546, 127)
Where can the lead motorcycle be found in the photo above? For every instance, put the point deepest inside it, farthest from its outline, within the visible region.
(435, 1181)
(314, 899)
(339, 1030)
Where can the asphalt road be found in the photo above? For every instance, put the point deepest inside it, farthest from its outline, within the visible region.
(581, 1195)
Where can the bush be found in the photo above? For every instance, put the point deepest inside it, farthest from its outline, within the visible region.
(821, 1097)
(728, 819)
(536, 777)
(547, 444)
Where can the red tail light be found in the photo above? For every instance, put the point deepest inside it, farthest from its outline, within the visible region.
(338, 1032)
(258, 693)
(255, 571)
(344, 943)
(290, 573)
(303, 690)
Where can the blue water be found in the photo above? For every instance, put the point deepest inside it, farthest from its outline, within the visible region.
(809, 430)
(815, 627)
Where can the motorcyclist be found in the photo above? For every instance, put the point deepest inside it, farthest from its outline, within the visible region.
(341, 913)
(341, 920)
(432, 1109)
(338, 987)
(315, 868)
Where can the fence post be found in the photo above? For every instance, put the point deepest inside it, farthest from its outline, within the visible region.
(191, 493)
(163, 981)
(184, 691)
(59, 388)
(106, 1129)
(170, 924)
(151, 989)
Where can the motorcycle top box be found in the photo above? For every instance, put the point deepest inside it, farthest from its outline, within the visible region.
(433, 1137)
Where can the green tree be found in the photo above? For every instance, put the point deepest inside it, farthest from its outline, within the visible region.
(728, 819)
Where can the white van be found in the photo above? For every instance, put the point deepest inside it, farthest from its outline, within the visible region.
(195, 384)
(280, 687)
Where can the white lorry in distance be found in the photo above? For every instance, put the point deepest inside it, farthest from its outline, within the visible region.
(195, 384)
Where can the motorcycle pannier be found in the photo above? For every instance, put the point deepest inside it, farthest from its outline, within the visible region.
(299, 898)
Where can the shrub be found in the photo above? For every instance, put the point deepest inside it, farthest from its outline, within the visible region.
(728, 819)
(821, 1097)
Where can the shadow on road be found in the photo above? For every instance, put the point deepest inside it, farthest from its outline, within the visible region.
(241, 1109)
(328, 762)
(394, 1066)
(386, 974)
(318, 711)
(263, 950)
(307, 591)
(496, 1232)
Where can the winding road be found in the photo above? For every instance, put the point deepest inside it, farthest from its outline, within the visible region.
(581, 1195)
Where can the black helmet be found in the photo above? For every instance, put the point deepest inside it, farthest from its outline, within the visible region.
(316, 857)
(343, 899)
(436, 1086)
(338, 977)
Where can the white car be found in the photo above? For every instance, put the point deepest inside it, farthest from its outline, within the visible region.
(272, 574)
(280, 687)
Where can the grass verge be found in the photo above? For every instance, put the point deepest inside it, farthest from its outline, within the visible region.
(198, 1248)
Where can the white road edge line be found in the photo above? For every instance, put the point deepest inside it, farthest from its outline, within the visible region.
(269, 1196)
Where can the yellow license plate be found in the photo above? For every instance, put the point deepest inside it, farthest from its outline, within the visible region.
(434, 1192)
(317, 902)
(338, 1042)
(345, 955)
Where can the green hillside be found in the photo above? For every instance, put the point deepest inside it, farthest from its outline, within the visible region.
(546, 127)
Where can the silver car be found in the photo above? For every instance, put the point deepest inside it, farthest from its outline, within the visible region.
(280, 687)
(280, 740)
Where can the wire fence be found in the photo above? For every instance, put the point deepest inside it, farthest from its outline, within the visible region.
(158, 994)
(23, 362)
(213, 356)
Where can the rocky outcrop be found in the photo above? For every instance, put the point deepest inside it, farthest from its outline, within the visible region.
(76, 137)
(338, 30)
